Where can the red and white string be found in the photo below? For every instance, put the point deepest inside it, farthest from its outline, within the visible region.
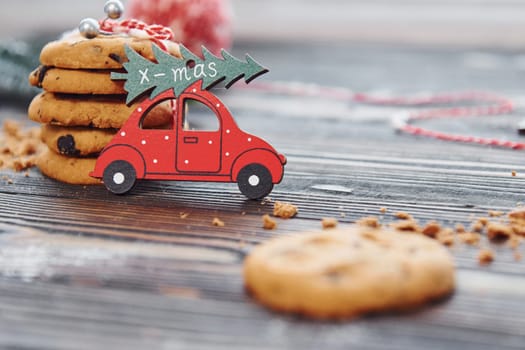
(156, 32)
(466, 104)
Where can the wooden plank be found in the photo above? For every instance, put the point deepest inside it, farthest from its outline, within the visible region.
(73, 315)
(82, 268)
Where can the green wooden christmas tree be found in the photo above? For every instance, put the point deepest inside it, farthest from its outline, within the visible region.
(170, 72)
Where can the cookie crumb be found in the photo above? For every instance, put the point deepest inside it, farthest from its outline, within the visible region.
(329, 223)
(217, 222)
(12, 128)
(485, 256)
(495, 213)
(513, 173)
(517, 256)
(477, 226)
(518, 214)
(514, 241)
(460, 228)
(19, 165)
(497, 232)
(471, 238)
(284, 210)
(183, 215)
(266, 200)
(369, 221)
(403, 215)
(19, 147)
(518, 228)
(431, 229)
(446, 237)
(509, 227)
(483, 221)
(383, 210)
(406, 225)
(268, 222)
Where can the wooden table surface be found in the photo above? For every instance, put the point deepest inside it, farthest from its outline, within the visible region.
(81, 268)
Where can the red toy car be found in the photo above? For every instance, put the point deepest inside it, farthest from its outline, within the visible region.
(226, 154)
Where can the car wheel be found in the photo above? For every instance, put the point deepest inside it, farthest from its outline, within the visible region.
(119, 177)
(255, 181)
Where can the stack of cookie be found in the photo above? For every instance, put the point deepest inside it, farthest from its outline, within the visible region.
(81, 108)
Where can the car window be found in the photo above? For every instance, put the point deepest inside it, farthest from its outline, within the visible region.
(159, 116)
(199, 117)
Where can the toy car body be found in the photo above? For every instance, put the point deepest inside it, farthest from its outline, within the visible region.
(227, 154)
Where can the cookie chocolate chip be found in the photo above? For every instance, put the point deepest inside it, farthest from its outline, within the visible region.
(343, 273)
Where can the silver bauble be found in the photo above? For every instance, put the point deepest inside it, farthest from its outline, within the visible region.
(114, 9)
(89, 28)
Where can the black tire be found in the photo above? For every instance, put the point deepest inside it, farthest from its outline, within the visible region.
(120, 177)
(255, 181)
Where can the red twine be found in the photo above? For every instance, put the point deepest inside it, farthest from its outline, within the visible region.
(155, 32)
(492, 105)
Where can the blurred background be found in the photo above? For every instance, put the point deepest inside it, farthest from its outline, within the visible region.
(481, 23)
(378, 46)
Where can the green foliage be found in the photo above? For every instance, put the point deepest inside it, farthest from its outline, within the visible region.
(173, 73)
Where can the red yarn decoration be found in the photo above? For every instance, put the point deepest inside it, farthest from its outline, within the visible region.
(194, 22)
(487, 104)
(155, 32)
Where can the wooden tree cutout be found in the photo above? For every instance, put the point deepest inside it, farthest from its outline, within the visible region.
(170, 72)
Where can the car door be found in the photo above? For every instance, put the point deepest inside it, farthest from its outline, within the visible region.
(198, 137)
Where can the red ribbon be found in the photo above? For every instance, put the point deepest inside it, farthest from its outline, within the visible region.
(489, 104)
(155, 32)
